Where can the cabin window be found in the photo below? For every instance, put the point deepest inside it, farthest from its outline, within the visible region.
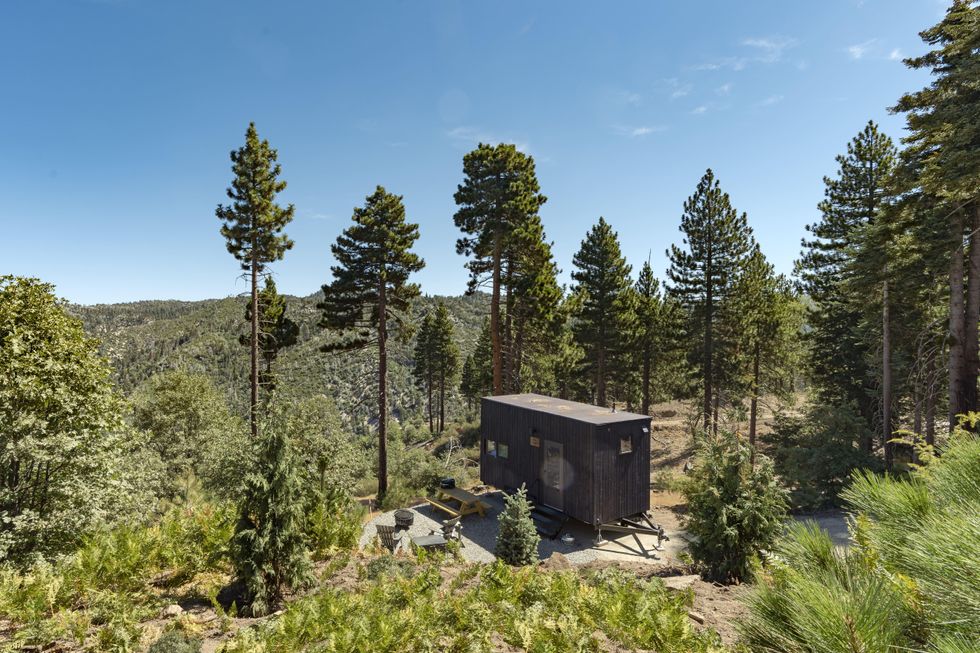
(503, 451)
(491, 448)
(626, 445)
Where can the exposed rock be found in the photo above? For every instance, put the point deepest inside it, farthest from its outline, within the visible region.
(696, 616)
(172, 610)
(680, 583)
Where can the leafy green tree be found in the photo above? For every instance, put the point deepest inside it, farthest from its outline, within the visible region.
(252, 225)
(839, 354)
(370, 296)
(943, 154)
(605, 314)
(268, 548)
(498, 196)
(717, 241)
(276, 331)
(62, 440)
(185, 415)
(735, 509)
(517, 537)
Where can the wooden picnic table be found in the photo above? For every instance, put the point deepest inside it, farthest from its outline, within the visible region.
(468, 502)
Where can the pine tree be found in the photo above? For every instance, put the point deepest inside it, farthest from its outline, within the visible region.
(468, 384)
(769, 320)
(480, 379)
(252, 225)
(268, 548)
(499, 194)
(517, 537)
(445, 357)
(943, 154)
(424, 371)
(370, 297)
(605, 312)
(656, 339)
(717, 241)
(839, 354)
(276, 331)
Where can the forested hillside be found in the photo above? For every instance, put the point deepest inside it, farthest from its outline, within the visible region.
(141, 339)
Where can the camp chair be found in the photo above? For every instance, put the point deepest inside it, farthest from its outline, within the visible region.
(451, 530)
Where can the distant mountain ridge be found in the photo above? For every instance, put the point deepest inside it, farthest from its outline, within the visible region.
(146, 337)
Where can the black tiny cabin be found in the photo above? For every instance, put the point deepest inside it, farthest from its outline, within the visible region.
(591, 463)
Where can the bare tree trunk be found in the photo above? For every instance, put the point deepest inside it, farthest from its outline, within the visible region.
(429, 385)
(956, 321)
(382, 391)
(495, 317)
(971, 321)
(253, 417)
(442, 398)
(886, 374)
(708, 345)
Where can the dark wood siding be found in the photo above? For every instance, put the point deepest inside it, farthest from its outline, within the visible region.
(600, 483)
(513, 425)
(622, 479)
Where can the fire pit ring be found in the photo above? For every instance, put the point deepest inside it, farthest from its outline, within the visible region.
(404, 518)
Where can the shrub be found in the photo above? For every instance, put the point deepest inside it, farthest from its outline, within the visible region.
(910, 580)
(175, 641)
(517, 538)
(816, 453)
(269, 553)
(734, 511)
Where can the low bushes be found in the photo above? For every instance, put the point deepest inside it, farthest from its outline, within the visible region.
(481, 608)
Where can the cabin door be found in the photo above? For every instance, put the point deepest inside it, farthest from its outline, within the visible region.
(552, 475)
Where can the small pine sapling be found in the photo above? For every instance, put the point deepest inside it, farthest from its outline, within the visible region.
(517, 538)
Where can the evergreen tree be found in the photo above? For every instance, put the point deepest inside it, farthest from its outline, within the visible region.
(479, 382)
(276, 331)
(370, 296)
(498, 196)
(468, 383)
(445, 357)
(769, 321)
(839, 356)
(717, 241)
(943, 155)
(252, 225)
(517, 537)
(605, 313)
(424, 371)
(656, 343)
(268, 550)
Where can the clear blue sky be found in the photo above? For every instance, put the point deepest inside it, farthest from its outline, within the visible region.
(117, 117)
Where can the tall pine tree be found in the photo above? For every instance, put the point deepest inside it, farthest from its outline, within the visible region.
(252, 225)
(605, 313)
(445, 357)
(944, 153)
(498, 196)
(656, 341)
(717, 240)
(424, 372)
(839, 355)
(370, 296)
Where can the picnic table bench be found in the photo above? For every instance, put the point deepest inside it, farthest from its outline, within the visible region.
(468, 502)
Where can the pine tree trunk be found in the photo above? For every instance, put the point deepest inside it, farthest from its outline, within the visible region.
(507, 346)
(708, 336)
(429, 386)
(886, 374)
(956, 322)
(382, 391)
(754, 404)
(600, 375)
(253, 417)
(495, 317)
(714, 421)
(971, 321)
(931, 412)
(442, 398)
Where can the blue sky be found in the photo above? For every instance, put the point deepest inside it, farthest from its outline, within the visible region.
(117, 117)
